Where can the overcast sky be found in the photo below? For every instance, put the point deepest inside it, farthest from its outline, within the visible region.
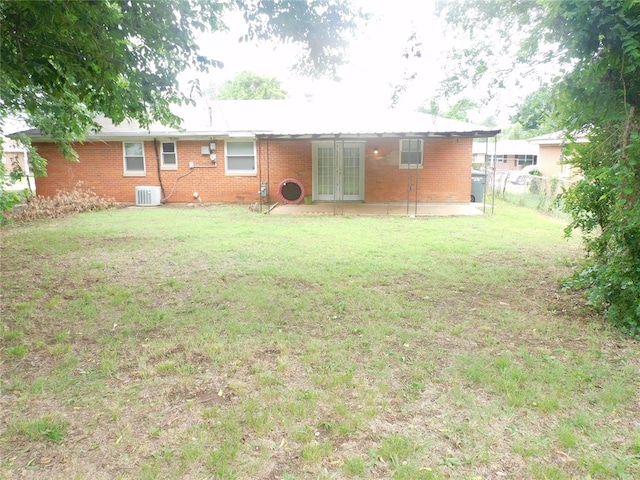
(375, 61)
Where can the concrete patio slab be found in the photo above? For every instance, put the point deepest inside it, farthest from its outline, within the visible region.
(380, 209)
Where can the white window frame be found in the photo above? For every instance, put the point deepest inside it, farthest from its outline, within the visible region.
(163, 164)
(240, 173)
(524, 159)
(133, 173)
(411, 165)
(492, 159)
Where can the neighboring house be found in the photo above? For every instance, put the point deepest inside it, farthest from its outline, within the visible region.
(552, 156)
(505, 154)
(14, 155)
(240, 151)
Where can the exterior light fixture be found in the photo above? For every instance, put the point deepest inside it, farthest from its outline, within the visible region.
(375, 151)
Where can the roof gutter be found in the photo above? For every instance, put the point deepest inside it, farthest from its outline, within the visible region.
(347, 136)
(126, 136)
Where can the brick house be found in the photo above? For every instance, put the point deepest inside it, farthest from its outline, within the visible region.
(277, 151)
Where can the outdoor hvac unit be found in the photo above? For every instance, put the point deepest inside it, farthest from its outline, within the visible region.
(147, 196)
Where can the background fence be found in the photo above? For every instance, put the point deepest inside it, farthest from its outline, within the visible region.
(531, 191)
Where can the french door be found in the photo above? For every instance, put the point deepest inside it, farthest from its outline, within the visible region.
(338, 171)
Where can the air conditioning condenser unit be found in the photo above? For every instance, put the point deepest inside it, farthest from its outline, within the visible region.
(147, 196)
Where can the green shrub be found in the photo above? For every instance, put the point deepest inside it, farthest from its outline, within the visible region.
(613, 286)
(536, 182)
(605, 207)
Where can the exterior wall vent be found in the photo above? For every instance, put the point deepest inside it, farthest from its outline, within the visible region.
(147, 196)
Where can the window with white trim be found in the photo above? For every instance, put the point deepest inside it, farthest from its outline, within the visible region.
(133, 153)
(240, 157)
(169, 156)
(411, 153)
(526, 160)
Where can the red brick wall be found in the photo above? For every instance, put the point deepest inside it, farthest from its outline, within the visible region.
(282, 159)
(101, 168)
(444, 178)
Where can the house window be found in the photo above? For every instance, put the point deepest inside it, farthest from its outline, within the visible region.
(498, 159)
(134, 158)
(240, 158)
(526, 160)
(411, 153)
(169, 156)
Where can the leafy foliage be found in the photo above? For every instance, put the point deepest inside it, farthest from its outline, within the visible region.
(514, 131)
(412, 51)
(8, 177)
(431, 106)
(9, 199)
(65, 62)
(534, 113)
(605, 206)
(122, 60)
(322, 26)
(251, 86)
(459, 110)
(597, 44)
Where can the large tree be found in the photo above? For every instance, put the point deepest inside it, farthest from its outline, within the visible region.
(459, 110)
(251, 86)
(65, 61)
(535, 113)
(594, 49)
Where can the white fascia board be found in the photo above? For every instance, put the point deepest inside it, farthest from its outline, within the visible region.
(147, 137)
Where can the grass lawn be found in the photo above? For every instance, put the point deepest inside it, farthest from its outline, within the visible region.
(218, 343)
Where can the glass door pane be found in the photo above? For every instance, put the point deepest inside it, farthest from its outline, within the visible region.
(326, 170)
(351, 171)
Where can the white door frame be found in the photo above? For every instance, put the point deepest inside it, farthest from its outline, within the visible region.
(334, 181)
